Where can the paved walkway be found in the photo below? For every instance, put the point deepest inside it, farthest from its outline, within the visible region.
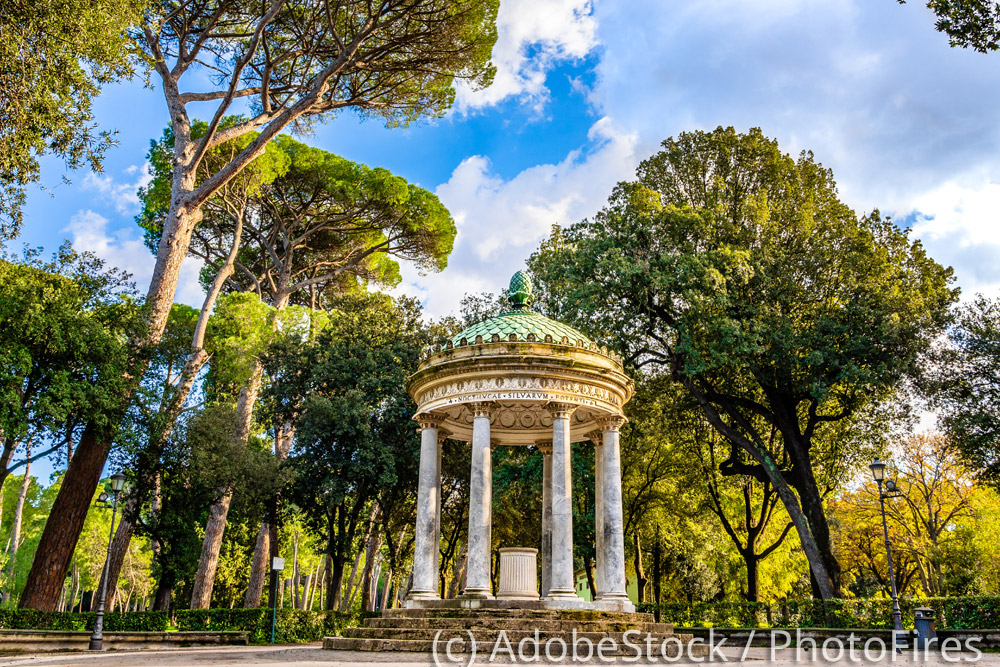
(312, 654)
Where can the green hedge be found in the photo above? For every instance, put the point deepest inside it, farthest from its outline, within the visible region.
(292, 625)
(977, 613)
(129, 621)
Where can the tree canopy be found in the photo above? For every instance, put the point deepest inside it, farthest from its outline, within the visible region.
(737, 271)
(54, 57)
(969, 24)
(963, 384)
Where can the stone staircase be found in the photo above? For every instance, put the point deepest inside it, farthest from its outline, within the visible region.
(420, 629)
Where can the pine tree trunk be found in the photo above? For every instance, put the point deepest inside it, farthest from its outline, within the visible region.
(119, 549)
(306, 591)
(588, 567)
(258, 567)
(215, 527)
(352, 587)
(163, 589)
(295, 571)
(640, 574)
(15, 534)
(384, 602)
(366, 578)
(458, 573)
(74, 587)
(69, 511)
(335, 585)
(657, 568)
(201, 596)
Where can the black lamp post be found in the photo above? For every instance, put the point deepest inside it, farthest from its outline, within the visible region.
(104, 500)
(878, 472)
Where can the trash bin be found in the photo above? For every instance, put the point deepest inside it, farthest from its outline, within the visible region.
(923, 619)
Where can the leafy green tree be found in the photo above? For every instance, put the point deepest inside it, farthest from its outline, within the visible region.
(291, 63)
(63, 325)
(354, 435)
(54, 57)
(963, 384)
(970, 24)
(736, 271)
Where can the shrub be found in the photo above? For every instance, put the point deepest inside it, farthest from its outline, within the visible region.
(291, 625)
(128, 621)
(978, 613)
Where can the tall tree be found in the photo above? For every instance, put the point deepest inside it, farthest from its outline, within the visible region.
(291, 62)
(63, 324)
(738, 272)
(316, 227)
(354, 433)
(963, 383)
(54, 57)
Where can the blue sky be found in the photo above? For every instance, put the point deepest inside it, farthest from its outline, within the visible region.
(585, 90)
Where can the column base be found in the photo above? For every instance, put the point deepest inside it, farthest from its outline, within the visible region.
(422, 595)
(476, 594)
(616, 600)
(562, 594)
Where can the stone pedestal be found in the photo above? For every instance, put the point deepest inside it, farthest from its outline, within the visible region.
(518, 578)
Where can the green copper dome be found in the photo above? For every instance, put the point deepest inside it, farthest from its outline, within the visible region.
(521, 321)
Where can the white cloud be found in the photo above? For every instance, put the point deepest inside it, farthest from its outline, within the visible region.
(124, 196)
(500, 223)
(532, 36)
(958, 223)
(907, 123)
(125, 250)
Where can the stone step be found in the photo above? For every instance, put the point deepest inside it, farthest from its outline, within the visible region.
(556, 614)
(505, 622)
(491, 636)
(673, 649)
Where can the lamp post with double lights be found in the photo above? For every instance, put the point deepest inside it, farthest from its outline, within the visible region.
(106, 500)
(890, 491)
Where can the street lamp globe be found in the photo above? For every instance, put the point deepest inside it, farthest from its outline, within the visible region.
(878, 470)
(117, 482)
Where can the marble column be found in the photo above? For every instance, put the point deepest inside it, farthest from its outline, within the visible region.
(561, 583)
(426, 538)
(477, 571)
(546, 449)
(613, 520)
(442, 436)
(597, 438)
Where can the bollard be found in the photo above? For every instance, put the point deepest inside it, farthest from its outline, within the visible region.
(923, 619)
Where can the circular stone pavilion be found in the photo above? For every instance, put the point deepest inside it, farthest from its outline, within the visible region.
(522, 379)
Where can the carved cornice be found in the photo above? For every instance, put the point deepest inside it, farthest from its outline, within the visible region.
(520, 389)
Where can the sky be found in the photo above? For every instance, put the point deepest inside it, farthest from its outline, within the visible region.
(586, 89)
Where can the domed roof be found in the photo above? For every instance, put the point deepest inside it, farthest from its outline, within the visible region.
(522, 321)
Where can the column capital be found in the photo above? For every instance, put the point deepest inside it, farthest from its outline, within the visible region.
(544, 446)
(557, 409)
(611, 423)
(482, 408)
(429, 420)
(596, 436)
